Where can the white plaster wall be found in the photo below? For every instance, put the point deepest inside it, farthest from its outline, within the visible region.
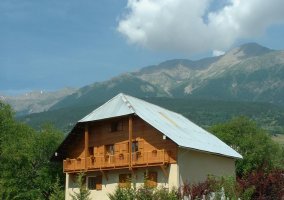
(173, 176)
(110, 185)
(195, 166)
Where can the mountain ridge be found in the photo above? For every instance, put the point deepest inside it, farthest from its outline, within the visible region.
(36, 101)
(250, 72)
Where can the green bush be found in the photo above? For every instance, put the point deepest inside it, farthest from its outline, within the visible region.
(123, 194)
(143, 193)
(165, 194)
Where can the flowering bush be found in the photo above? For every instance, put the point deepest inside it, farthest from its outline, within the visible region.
(266, 185)
(258, 185)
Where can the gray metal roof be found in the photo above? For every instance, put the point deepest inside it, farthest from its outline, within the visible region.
(175, 126)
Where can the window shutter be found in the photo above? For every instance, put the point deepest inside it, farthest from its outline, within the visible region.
(99, 182)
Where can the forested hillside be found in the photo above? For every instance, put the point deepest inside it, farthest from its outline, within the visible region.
(202, 112)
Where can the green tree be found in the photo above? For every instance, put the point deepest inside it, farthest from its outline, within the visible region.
(57, 191)
(6, 119)
(83, 193)
(26, 170)
(255, 145)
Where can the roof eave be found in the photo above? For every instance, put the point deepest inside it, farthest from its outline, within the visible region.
(213, 153)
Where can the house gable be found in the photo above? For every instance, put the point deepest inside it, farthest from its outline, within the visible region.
(175, 126)
(111, 148)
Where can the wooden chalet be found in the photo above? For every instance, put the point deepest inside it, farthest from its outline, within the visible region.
(128, 138)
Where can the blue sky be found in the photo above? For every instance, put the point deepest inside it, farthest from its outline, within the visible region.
(47, 45)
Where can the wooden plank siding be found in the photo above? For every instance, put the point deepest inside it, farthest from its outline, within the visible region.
(152, 148)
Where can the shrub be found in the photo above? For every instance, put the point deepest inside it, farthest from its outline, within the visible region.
(165, 194)
(263, 185)
(258, 185)
(143, 193)
(214, 187)
(123, 194)
(195, 191)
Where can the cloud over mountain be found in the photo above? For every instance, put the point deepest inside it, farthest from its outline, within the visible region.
(190, 26)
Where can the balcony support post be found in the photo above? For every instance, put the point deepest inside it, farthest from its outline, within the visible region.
(165, 171)
(86, 146)
(133, 174)
(130, 131)
(104, 175)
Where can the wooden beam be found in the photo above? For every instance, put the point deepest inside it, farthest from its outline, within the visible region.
(86, 146)
(130, 130)
(165, 172)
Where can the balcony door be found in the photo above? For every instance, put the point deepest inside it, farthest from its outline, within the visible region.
(109, 156)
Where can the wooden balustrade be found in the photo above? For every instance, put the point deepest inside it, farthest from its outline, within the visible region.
(77, 164)
(93, 163)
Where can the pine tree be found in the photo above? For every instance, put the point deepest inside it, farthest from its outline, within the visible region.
(57, 191)
(83, 193)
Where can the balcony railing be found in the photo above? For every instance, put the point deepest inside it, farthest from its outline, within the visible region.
(139, 159)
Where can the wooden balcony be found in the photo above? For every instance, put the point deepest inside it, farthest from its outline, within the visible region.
(117, 161)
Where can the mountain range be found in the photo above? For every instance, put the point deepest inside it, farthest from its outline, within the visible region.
(36, 101)
(249, 74)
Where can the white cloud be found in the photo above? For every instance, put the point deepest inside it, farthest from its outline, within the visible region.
(179, 24)
(218, 53)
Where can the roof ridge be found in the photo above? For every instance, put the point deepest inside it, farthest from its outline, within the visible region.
(128, 104)
(168, 110)
(116, 96)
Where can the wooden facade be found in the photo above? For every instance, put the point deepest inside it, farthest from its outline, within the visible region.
(122, 142)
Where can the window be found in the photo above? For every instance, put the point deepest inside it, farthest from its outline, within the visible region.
(91, 151)
(151, 179)
(135, 146)
(95, 182)
(110, 149)
(116, 126)
(135, 152)
(75, 180)
(124, 180)
(109, 153)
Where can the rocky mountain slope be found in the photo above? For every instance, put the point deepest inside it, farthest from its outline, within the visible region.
(250, 73)
(247, 73)
(36, 101)
(100, 92)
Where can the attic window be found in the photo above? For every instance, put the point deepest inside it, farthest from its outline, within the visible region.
(116, 126)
